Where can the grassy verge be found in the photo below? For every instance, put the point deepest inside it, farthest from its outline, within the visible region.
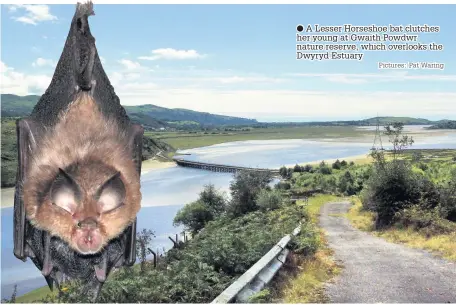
(34, 295)
(302, 278)
(443, 245)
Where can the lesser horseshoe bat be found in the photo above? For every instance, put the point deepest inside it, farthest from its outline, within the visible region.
(79, 165)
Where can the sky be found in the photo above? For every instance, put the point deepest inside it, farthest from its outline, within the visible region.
(239, 59)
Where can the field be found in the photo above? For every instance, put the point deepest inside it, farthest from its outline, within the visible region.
(187, 140)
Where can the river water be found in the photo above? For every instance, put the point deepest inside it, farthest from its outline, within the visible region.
(165, 191)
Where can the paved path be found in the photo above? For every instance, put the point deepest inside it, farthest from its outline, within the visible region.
(377, 271)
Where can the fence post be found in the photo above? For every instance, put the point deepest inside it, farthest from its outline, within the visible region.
(155, 257)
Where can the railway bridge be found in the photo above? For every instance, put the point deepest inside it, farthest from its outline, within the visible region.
(220, 168)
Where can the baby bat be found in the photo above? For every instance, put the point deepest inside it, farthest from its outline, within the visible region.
(79, 164)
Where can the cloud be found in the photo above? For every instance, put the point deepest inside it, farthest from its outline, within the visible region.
(14, 82)
(361, 78)
(172, 54)
(129, 64)
(247, 79)
(136, 88)
(41, 62)
(33, 13)
(102, 59)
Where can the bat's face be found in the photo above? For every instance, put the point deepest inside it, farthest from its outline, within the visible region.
(87, 205)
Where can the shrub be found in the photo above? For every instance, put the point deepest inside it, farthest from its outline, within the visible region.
(283, 185)
(343, 163)
(244, 189)
(210, 204)
(428, 221)
(336, 165)
(297, 168)
(391, 188)
(269, 200)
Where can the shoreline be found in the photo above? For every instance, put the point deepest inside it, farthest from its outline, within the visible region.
(147, 166)
(360, 159)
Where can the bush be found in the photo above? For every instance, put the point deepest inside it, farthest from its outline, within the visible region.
(343, 163)
(324, 169)
(297, 168)
(336, 165)
(194, 216)
(307, 168)
(269, 200)
(244, 191)
(390, 189)
(428, 221)
(283, 186)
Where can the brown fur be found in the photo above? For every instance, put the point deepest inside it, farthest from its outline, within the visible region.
(91, 148)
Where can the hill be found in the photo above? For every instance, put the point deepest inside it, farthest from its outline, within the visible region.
(148, 115)
(444, 125)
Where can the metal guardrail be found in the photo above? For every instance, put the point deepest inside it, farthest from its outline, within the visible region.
(259, 275)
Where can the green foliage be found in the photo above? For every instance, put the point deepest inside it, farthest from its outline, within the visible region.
(324, 168)
(286, 173)
(262, 296)
(143, 241)
(337, 164)
(210, 262)
(420, 219)
(244, 191)
(269, 199)
(210, 204)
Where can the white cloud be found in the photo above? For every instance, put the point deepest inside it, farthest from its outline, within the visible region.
(129, 64)
(172, 54)
(33, 13)
(247, 79)
(102, 59)
(14, 82)
(376, 77)
(41, 62)
(136, 88)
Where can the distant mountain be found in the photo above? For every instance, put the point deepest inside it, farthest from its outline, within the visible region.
(148, 115)
(185, 115)
(446, 124)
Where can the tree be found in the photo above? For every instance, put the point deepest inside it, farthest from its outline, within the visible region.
(244, 189)
(399, 141)
(269, 199)
(336, 165)
(143, 240)
(297, 169)
(210, 204)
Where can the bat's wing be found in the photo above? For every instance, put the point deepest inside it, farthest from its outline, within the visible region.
(136, 142)
(28, 133)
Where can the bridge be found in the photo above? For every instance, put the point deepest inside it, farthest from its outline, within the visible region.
(220, 168)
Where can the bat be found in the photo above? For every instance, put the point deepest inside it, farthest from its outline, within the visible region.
(79, 165)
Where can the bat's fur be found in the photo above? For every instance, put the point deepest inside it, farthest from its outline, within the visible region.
(91, 148)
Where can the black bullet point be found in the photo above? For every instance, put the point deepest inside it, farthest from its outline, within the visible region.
(300, 28)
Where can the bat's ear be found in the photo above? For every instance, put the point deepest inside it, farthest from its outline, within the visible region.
(111, 194)
(65, 192)
(136, 144)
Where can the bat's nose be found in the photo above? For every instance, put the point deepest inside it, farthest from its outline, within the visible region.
(89, 223)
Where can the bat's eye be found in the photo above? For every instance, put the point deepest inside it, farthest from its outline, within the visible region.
(79, 225)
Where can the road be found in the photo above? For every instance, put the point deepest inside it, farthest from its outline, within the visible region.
(377, 271)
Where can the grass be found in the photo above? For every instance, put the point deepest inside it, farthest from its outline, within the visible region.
(35, 295)
(187, 140)
(302, 278)
(443, 245)
(315, 203)
(313, 272)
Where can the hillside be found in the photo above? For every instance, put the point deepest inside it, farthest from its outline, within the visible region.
(444, 125)
(148, 115)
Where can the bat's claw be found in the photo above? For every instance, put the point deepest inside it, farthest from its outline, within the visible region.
(101, 268)
(47, 263)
